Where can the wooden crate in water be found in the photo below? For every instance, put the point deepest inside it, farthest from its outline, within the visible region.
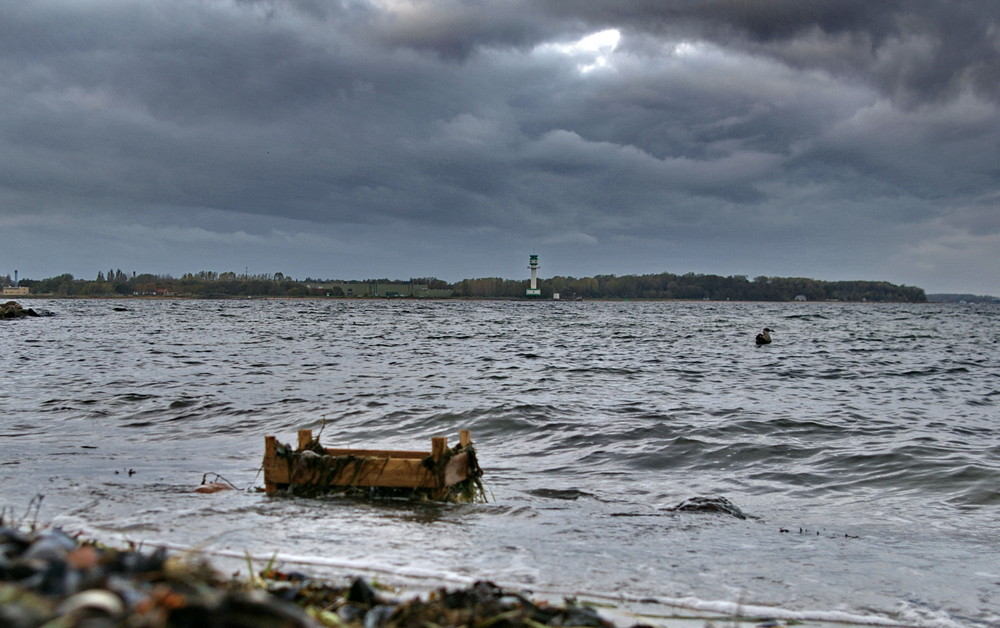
(443, 473)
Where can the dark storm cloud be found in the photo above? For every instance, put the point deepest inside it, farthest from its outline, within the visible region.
(915, 50)
(710, 125)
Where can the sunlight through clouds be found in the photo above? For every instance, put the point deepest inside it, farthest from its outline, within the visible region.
(592, 52)
(688, 49)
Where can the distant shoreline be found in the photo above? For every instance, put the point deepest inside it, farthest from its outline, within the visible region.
(464, 298)
(651, 287)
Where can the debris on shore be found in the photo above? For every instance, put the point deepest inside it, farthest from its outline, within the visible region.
(49, 579)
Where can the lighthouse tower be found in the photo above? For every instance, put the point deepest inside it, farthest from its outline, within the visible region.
(534, 290)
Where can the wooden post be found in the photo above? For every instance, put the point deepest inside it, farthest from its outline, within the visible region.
(464, 438)
(270, 453)
(439, 446)
(305, 437)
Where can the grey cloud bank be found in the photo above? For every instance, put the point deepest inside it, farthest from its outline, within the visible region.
(394, 138)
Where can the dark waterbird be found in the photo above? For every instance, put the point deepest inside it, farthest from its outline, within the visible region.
(764, 337)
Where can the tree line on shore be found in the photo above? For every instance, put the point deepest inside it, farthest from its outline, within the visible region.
(693, 286)
(690, 286)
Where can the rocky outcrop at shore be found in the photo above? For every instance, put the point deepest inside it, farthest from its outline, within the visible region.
(13, 309)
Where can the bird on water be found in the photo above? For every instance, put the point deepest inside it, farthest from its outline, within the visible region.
(764, 337)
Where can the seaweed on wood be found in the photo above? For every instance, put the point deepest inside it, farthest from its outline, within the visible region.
(311, 471)
(443, 474)
(469, 489)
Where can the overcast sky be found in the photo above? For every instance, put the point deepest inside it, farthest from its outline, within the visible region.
(353, 139)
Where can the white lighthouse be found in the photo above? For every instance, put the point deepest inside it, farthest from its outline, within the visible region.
(534, 290)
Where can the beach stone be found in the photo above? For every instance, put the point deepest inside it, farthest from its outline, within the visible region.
(20, 608)
(362, 593)
(93, 602)
(258, 609)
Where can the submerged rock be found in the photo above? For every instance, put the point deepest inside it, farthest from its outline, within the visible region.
(710, 504)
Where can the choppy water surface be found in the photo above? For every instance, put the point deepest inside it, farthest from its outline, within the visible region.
(864, 444)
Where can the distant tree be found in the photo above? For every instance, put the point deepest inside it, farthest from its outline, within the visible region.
(432, 283)
(61, 285)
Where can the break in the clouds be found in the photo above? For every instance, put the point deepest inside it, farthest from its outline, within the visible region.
(834, 139)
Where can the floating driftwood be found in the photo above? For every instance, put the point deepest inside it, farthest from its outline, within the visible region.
(442, 474)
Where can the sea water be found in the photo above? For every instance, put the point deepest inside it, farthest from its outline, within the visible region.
(862, 445)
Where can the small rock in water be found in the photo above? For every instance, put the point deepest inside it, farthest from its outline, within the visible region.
(710, 504)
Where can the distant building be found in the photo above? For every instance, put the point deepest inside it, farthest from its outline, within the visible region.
(20, 291)
(801, 297)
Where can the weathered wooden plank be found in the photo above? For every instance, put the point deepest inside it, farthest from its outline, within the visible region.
(387, 472)
(439, 447)
(306, 437)
(377, 453)
(457, 469)
(270, 458)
